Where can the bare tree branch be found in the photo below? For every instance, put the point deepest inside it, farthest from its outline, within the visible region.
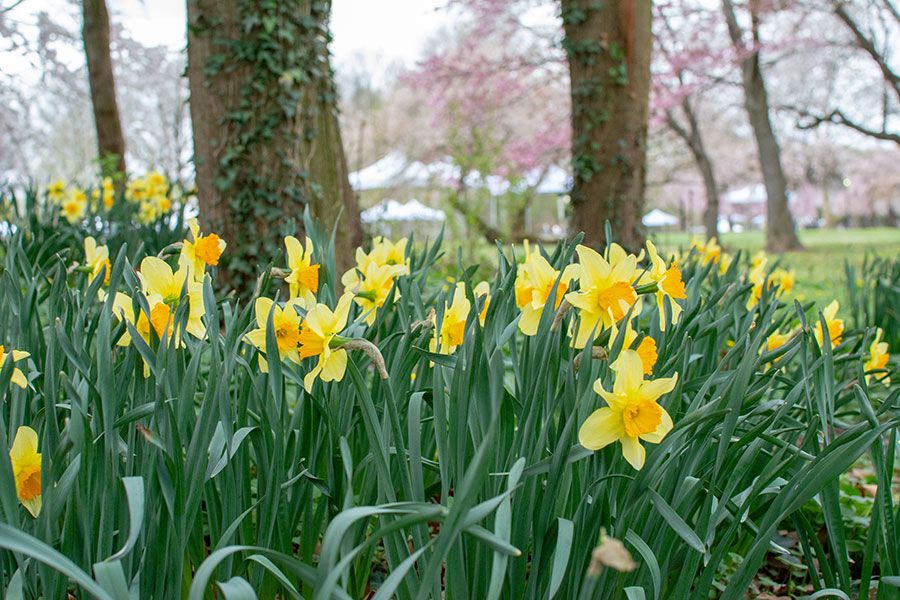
(808, 120)
(866, 44)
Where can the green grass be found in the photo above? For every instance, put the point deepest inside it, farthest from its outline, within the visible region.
(820, 267)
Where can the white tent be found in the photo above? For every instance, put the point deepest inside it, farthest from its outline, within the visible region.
(391, 210)
(659, 218)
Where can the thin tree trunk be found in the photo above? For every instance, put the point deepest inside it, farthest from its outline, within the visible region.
(608, 46)
(267, 143)
(693, 138)
(95, 35)
(781, 234)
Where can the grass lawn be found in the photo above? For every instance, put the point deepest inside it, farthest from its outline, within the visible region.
(820, 267)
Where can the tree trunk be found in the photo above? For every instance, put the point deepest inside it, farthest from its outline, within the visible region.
(692, 136)
(95, 34)
(267, 143)
(781, 234)
(608, 45)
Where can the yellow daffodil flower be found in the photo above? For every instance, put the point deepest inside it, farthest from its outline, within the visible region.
(384, 252)
(372, 290)
(668, 283)
(200, 251)
(74, 205)
(136, 190)
(26, 467)
(56, 191)
(785, 279)
(109, 193)
(18, 377)
(96, 258)
(158, 280)
(534, 283)
(286, 325)
(157, 184)
(321, 329)
(483, 289)
(709, 251)
(878, 359)
(453, 326)
(632, 413)
(646, 349)
(304, 277)
(606, 292)
(835, 325)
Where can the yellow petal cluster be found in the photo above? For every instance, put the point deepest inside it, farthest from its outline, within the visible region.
(451, 333)
(18, 377)
(26, 467)
(835, 326)
(200, 251)
(535, 281)
(877, 359)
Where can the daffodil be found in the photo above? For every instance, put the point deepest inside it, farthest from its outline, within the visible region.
(157, 184)
(877, 359)
(534, 283)
(383, 253)
(606, 292)
(668, 283)
(725, 261)
(74, 205)
(158, 280)
(372, 290)
(320, 331)
(452, 331)
(56, 191)
(835, 326)
(286, 325)
(646, 349)
(632, 413)
(26, 467)
(109, 193)
(709, 251)
(785, 279)
(200, 251)
(18, 377)
(96, 258)
(483, 290)
(304, 276)
(136, 190)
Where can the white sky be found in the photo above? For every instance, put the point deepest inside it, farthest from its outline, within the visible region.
(391, 31)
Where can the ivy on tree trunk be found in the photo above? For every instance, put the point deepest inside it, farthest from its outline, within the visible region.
(266, 138)
(608, 44)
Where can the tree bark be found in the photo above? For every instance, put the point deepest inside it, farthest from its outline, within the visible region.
(693, 138)
(781, 234)
(95, 35)
(267, 142)
(608, 45)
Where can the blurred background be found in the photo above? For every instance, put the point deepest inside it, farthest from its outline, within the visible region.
(495, 119)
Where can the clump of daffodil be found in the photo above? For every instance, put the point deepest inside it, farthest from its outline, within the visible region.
(200, 251)
(708, 251)
(535, 279)
(96, 259)
(483, 290)
(56, 191)
(320, 338)
(136, 190)
(449, 336)
(632, 413)
(668, 283)
(151, 192)
(877, 359)
(74, 205)
(109, 193)
(372, 290)
(384, 252)
(606, 292)
(26, 467)
(286, 325)
(835, 325)
(18, 377)
(303, 279)
(780, 280)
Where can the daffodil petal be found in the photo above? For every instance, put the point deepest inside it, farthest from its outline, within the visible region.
(601, 428)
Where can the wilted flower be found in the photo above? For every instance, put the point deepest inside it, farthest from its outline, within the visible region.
(632, 413)
(26, 467)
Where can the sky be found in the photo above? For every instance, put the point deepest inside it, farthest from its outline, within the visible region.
(385, 31)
